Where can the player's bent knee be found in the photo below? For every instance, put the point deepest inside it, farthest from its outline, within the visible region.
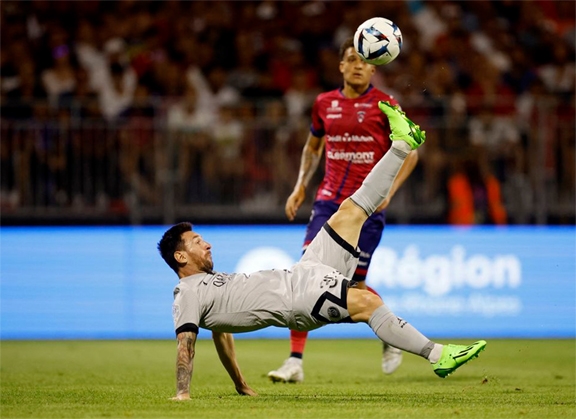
(352, 211)
(361, 304)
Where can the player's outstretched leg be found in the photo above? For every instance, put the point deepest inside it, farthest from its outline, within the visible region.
(403, 129)
(445, 359)
(391, 356)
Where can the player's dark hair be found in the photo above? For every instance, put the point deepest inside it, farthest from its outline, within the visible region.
(348, 42)
(172, 241)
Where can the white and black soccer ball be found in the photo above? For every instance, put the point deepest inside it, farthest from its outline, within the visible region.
(378, 41)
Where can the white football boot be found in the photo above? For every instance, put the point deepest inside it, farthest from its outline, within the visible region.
(291, 371)
(391, 359)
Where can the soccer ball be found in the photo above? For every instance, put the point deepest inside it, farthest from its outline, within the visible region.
(378, 41)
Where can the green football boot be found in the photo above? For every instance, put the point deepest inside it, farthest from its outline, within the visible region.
(454, 356)
(403, 129)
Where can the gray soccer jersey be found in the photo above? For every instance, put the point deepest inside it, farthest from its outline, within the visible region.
(309, 295)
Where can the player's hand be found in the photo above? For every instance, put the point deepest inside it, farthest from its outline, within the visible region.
(294, 202)
(245, 390)
(181, 397)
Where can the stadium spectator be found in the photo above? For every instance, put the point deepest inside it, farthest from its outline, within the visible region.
(86, 48)
(474, 195)
(493, 130)
(299, 96)
(137, 150)
(227, 136)
(497, 136)
(27, 90)
(188, 126)
(116, 93)
(59, 79)
(283, 157)
(219, 92)
(558, 75)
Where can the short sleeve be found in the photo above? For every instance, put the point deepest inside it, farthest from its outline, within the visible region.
(317, 125)
(185, 310)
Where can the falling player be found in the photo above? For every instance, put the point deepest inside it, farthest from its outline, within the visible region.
(316, 291)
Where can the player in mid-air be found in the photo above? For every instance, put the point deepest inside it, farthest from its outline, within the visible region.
(316, 291)
(349, 128)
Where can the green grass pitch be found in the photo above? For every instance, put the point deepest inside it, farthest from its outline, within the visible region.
(135, 379)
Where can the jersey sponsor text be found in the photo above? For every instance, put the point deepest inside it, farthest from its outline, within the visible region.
(360, 157)
(347, 138)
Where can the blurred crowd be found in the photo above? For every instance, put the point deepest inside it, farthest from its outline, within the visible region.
(106, 104)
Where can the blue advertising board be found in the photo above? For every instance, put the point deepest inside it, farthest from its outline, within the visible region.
(110, 282)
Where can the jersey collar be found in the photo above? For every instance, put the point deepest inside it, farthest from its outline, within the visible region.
(370, 87)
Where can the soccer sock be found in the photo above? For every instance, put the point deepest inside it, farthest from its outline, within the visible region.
(436, 353)
(297, 343)
(399, 333)
(377, 184)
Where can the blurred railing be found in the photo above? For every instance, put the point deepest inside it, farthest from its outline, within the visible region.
(70, 166)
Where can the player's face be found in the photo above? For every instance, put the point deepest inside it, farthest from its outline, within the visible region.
(197, 251)
(356, 72)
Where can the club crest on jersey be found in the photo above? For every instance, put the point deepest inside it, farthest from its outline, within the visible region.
(361, 115)
(334, 107)
(333, 313)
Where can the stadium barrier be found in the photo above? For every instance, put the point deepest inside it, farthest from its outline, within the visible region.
(70, 167)
(110, 282)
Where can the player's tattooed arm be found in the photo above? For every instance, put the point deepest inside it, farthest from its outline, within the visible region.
(311, 156)
(184, 364)
(224, 343)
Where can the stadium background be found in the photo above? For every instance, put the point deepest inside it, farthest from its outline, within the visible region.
(140, 114)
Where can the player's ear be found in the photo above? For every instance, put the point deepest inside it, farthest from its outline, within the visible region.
(341, 67)
(180, 256)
